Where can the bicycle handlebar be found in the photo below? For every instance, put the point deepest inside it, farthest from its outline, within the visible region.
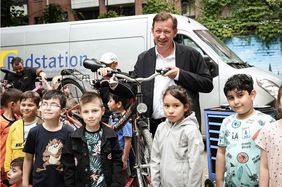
(139, 80)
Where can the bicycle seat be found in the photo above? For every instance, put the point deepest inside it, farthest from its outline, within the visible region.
(93, 64)
(67, 72)
(5, 70)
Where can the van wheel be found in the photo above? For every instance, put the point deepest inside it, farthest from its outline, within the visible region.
(73, 91)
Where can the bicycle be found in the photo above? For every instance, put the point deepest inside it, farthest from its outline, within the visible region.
(142, 139)
(72, 78)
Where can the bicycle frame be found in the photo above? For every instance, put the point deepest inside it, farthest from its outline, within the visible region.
(142, 138)
(73, 117)
(141, 126)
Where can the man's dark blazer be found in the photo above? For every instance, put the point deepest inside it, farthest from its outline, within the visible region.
(194, 75)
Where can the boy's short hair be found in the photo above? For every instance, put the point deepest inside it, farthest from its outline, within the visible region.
(18, 162)
(55, 94)
(239, 82)
(125, 102)
(10, 95)
(88, 97)
(34, 96)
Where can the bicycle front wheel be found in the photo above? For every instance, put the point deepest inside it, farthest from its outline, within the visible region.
(148, 139)
(143, 172)
(73, 91)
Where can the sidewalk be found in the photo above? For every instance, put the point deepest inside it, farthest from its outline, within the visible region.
(205, 171)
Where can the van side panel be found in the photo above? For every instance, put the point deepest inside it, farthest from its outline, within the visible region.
(54, 47)
(126, 38)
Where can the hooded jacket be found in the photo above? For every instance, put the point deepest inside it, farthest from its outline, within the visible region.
(176, 157)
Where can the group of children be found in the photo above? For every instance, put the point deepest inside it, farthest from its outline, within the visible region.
(31, 142)
(48, 153)
(42, 151)
(249, 148)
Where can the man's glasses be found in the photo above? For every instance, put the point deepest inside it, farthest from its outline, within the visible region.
(52, 105)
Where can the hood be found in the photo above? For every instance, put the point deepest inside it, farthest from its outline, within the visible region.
(189, 120)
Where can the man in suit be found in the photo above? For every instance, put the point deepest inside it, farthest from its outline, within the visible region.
(187, 68)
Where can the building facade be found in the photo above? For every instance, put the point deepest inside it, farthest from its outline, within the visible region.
(91, 9)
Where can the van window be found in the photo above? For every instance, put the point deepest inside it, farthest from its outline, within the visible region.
(185, 40)
(221, 49)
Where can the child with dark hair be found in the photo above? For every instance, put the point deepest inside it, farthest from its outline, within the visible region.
(177, 150)
(270, 143)
(10, 103)
(16, 172)
(92, 156)
(44, 144)
(238, 157)
(29, 106)
(118, 105)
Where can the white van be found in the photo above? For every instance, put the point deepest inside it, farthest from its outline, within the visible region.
(57, 46)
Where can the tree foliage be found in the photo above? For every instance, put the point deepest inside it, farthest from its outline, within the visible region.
(54, 13)
(156, 6)
(262, 18)
(109, 14)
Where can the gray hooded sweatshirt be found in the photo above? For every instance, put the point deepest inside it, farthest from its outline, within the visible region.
(177, 154)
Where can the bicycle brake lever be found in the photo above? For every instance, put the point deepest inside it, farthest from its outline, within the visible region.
(113, 82)
(163, 71)
(109, 73)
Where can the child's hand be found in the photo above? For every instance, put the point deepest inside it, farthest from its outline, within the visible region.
(124, 165)
(109, 156)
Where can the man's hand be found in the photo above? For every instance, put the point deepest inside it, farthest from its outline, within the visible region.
(173, 72)
(104, 71)
(42, 74)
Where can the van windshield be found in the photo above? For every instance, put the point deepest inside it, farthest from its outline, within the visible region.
(220, 48)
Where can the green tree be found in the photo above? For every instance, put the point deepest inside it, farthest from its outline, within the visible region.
(109, 14)
(54, 13)
(156, 6)
(262, 18)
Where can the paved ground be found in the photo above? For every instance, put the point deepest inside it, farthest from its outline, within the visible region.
(205, 172)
